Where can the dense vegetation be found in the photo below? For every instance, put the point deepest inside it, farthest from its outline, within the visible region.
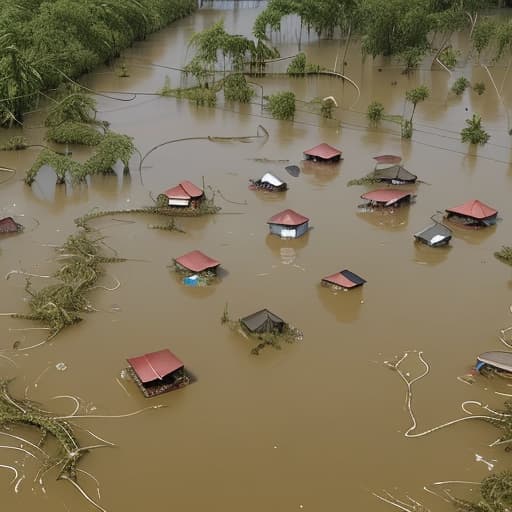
(42, 42)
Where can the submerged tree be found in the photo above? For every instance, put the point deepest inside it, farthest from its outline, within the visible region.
(414, 96)
(282, 105)
(375, 112)
(474, 132)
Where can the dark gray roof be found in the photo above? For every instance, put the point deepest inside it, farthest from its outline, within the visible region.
(395, 172)
(263, 319)
(358, 280)
(434, 233)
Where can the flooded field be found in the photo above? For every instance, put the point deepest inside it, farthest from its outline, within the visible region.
(320, 424)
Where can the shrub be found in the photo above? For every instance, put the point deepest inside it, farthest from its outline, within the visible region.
(460, 85)
(282, 105)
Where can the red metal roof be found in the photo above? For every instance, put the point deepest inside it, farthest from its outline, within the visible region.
(197, 261)
(155, 365)
(388, 159)
(288, 218)
(184, 190)
(324, 151)
(8, 225)
(340, 280)
(475, 209)
(385, 195)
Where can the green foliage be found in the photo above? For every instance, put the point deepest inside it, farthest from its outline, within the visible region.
(236, 88)
(375, 112)
(14, 144)
(449, 57)
(483, 34)
(412, 57)
(282, 105)
(122, 71)
(460, 85)
(504, 254)
(61, 164)
(479, 88)
(474, 132)
(74, 133)
(503, 37)
(299, 66)
(495, 495)
(327, 107)
(112, 148)
(73, 105)
(418, 94)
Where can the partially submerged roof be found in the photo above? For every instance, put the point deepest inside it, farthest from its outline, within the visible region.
(475, 209)
(184, 190)
(396, 172)
(262, 319)
(197, 261)
(155, 365)
(9, 225)
(434, 234)
(324, 151)
(387, 196)
(388, 159)
(288, 218)
(271, 179)
(345, 279)
(498, 359)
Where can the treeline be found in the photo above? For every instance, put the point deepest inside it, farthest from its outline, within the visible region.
(42, 42)
(407, 29)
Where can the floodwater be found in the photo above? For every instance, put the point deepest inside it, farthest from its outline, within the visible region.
(319, 425)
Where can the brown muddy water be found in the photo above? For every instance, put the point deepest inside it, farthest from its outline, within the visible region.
(320, 424)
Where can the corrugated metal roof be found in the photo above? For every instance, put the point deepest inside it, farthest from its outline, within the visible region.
(184, 190)
(385, 195)
(345, 278)
(475, 209)
(155, 365)
(324, 151)
(499, 359)
(197, 261)
(8, 225)
(434, 233)
(396, 172)
(262, 318)
(288, 218)
(388, 159)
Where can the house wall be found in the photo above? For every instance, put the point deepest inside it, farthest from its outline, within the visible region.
(277, 229)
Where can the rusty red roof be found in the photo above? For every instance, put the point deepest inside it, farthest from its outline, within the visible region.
(8, 225)
(324, 151)
(288, 218)
(385, 195)
(197, 261)
(184, 190)
(345, 279)
(155, 365)
(388, 159)
(475, 209)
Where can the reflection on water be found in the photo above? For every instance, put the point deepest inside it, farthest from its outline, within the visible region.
(390, 218)
(320, 173)
(345, 305)
(425, 255)
(471, 235)
(287, 249)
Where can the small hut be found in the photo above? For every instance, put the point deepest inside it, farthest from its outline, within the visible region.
(396, 175)
(496, 360)
(197, 262)
(473, 213)
(263, 321)
(323, 153)
(9, 225)
(343, 279)
(435, 235)
(185, 194)
(157, 372)
(386, 197)
(288, 224)
(270, 183)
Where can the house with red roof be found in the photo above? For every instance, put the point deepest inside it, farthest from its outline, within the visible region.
(474, 213)
(343, 279)
(323, 153)
(288, 224)
(185, 194)
(197, 262)
(386, 197)
(157, 372)
(9, 225)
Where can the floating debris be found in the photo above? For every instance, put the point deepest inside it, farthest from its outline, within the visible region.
(61, 367)
(293, 170)
(270, 183)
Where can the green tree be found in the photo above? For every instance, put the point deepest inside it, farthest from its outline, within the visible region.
(282, 105)
(414, 96)
(474, 132)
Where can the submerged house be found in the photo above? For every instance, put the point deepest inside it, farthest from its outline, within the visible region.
(435, 235)
(396, 175)
(323, 153)
(343, 279)
(9, 225)
(185, 194)
(270, 182)
(288, 224)
(158, 372)
(197, 262)
(473, 213)
(386, 197)
(263, 321)
(497, 360)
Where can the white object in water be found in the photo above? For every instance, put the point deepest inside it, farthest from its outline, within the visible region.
(489, 465)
